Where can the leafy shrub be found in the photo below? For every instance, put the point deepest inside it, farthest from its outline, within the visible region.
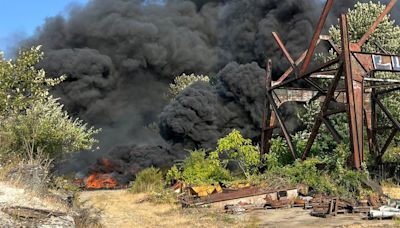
(240, 151)
(306, 172)
(329, 174)
(197, 169)
(147, 181)
(392, 155)
(47, 127)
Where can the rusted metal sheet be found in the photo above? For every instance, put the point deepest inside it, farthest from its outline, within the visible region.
(250, 195)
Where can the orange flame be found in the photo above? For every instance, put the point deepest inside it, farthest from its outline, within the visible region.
(99, 181)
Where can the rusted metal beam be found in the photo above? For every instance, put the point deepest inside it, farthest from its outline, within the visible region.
(267, 131)
(373, 27)
(387, 91)
(316, 69)
(290, 70)
(354, 95)
(317, 33)
(336, 111)
(387, 144)
(282, 125)
(297, 62)
(314, 85)
(388, 114)
(372, 124)
(324, 108)
(293, 63)
(284, 50)
(338, 138)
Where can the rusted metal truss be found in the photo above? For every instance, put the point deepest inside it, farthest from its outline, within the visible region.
(360, 96)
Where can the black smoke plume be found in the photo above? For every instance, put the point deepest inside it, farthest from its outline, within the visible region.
(120, 55)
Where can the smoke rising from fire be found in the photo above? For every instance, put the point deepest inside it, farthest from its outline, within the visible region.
(120, 55)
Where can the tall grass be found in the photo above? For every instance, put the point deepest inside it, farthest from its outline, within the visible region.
(147, 181)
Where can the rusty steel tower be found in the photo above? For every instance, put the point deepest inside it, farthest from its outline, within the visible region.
(360, 97)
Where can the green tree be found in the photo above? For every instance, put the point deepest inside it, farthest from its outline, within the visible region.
(31, 120)
(21, 83)
(182, 82)
(360, 20)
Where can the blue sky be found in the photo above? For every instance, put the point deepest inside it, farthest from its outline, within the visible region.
(20, 18)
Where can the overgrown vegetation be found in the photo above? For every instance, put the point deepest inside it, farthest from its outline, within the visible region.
(199, 169)
(31, 120)
(148, 180)
(234, 148)
(385, 38)
(324, 174)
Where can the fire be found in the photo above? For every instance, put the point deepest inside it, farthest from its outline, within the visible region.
(99, 181)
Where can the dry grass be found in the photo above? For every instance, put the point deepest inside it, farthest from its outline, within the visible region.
(121, 208)
(392, 190)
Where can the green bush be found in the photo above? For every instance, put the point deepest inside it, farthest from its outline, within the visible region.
(329, 174)
(198, 169)
(46, 126)
(147, 181)
(235, 148)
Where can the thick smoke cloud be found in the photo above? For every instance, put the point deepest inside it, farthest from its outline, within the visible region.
(202, 113)
(120, 55)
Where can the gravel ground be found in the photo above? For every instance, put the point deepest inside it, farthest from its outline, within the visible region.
(11, 196)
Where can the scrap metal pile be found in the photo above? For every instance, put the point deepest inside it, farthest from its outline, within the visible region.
(359, 97)
(249, 198)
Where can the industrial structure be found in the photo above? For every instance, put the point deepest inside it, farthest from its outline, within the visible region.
(360, 96)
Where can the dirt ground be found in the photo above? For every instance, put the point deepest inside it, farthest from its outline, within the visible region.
(123, 209)
(297, 217)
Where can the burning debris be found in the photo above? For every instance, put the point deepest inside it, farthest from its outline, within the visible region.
(119, 168)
